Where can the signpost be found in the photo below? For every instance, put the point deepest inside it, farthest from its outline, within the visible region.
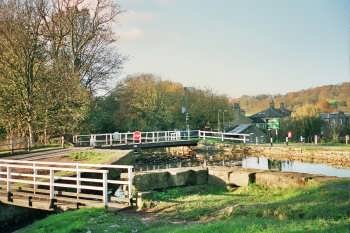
(273, 123)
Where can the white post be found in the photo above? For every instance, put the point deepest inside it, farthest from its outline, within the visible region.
(106, 139)
(35, 173)
(347, 137)
(256, 140)
(157, 136)
(78, 180)
(105, 188)
(91, 139)
(316, 139)
(153, 139)
(130, 177)
(222, 136)
(8, 178)
(111, 138)
(126, 138)
(52, 184)
(244, 139)
(62, 142)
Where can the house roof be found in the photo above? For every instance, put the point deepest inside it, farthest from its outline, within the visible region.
(271, 112)
(240, 128)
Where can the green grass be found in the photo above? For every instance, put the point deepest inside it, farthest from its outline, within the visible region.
(96, 156)
(317, 208)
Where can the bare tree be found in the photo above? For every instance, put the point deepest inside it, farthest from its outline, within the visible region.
(81, 32)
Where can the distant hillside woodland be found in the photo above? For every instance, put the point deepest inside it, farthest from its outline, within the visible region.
(328, 98)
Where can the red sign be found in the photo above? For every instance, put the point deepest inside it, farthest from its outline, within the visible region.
(136, 136)
(290, 134)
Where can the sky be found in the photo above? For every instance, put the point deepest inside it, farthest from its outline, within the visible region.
(238, 47)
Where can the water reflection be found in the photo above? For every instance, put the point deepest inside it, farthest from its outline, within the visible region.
(294, 166)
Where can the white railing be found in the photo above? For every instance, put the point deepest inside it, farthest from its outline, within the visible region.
(224, 136)
(154, 137)
(47, 173)
(128, 138)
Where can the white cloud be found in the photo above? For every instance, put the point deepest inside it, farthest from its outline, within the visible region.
(131, 34)
(135, 17)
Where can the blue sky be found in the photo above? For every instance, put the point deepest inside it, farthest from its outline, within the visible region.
(238, 47)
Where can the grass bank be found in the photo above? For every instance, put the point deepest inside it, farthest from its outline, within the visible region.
(98, 156)
(323, 207)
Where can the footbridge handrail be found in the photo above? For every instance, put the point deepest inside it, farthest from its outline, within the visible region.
(155, 137)
(53, 175)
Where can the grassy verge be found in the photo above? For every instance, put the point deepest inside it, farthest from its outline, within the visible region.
(317, 208)
(98, 156)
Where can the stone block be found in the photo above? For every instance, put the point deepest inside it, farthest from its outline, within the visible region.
(281, 179)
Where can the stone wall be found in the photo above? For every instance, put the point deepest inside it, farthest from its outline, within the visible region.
(323, 155)
(173, 177)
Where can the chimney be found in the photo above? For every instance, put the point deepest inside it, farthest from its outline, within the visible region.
(236, 110)
(236, 106)
(282, 105)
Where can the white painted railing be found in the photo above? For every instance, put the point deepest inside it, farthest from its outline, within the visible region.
(128, 138)
(46, 173)
(154, 137)
(224, 136)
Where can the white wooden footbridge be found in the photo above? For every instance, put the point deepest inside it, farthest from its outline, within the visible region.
(52, 185)
(154, 139)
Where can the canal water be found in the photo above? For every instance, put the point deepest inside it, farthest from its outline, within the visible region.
(294, 166)
(151, 160)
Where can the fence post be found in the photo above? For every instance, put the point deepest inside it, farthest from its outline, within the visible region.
(52, 184)
(153, 137)
(62, 142)
(8, 178)
(244, 139)
(130, 177)
(78, 180)
(35, 173)
(347, 137)
(105, 188)
(222, 136)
